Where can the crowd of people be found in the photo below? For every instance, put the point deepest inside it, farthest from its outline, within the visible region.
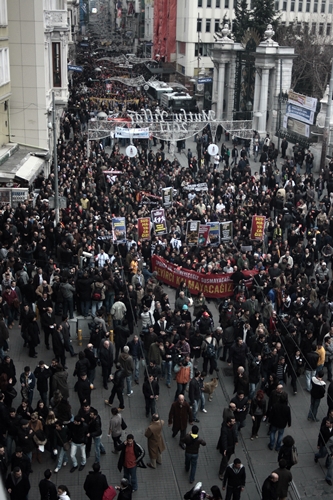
(272, 329)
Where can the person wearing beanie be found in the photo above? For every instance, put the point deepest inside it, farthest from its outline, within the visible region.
(192, 443)
(234, 479)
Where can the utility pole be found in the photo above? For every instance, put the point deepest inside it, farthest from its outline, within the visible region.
(55, 160)
(326, 135)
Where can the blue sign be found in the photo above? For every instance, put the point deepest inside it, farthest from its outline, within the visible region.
(84, 44)
(78, 69)
(205, 80)
(149, 44)
(300, 113)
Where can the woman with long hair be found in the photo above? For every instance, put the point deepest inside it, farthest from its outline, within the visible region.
(63, 492)
(257, 412)
(286, 451)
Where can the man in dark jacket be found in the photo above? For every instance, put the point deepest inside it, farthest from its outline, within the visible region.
(17, 485)
(95, 483)
(83, 389)
(280, 418)
(242, 407)
(131, 457)
(269, 487)
(317, 393)
(118, 380)
(311, 361)
(192, 443)
(238, 355)
(106, 359)
(42, 374)
(95, 433)
(234, 479)
(20, 460)
(179, 415)
(77, 432)
(58, 345)
(325, 434)
(151, 392)
(285, 478)
(47, 489)
(48, 323)
(226, 444)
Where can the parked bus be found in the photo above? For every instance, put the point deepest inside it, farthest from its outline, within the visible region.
(179, 100)
(157, 89)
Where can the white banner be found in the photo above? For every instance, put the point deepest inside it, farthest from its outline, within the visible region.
(302, 100)
(132, 133)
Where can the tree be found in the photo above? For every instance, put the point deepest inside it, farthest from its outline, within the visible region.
(242, 20)
(312, 66)
(264, 13)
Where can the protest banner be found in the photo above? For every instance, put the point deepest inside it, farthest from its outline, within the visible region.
(196, 187)
(214, 233)
(192, 232)
(203, 238)
(159, 221)
(258, 227)
(226, 230)
(167, 196)
(212, 285)
(119, 229)
(144, 228)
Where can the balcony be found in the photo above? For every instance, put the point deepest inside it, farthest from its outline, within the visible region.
(56, 19)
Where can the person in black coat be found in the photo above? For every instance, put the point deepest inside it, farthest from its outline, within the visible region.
(226, 443)
(48, 323)
(269, 487)
(90, 356)
(25, 320)
(95, 483)
(3, 463)
(58, 345)
(280, 417)
(125, 490)
(83, 389)
(17, 484)
(47, 489)
(42, 374)
(19, 459)
(106, 359)
(118, 381)
(234, 479)
(33, 336)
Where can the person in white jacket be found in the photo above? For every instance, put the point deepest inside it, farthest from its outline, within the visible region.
(147, 315)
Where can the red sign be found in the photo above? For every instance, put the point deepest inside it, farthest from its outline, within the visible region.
(144, 228)
(258, 227)
(212, 285)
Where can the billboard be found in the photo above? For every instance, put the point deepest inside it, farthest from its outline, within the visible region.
(301, 114)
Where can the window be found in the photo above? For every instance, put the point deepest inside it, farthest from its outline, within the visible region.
(216, 25)
(204, 50)
(209, 3)
(199, 24)
(226, 4)
(4, 66)
(277, 4)
(292, 6)
(3, 13)
(199, 3)
(315, 6)
(56, 64)
(323, 6)
(218, 4)
(284, 5)
(330, 8)
(300, 5)
(182, 48)
(207, 25)
(308, 5)
(328, 29)
(313, 28)
(55, 5)
(321, 29)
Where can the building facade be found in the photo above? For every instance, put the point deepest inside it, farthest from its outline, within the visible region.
(39, 36)
(198, 20)
(5, 87)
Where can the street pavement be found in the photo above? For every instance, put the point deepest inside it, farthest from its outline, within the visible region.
(170, 479)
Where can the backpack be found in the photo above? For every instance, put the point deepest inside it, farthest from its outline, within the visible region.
(210, 350)
(97, 294)
(294, 455)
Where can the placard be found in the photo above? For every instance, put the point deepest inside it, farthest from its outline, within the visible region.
(159, 221)
(144, 228)
(258, 227)
(203, 238)
(167, 196)
(192, 232)
(226, 230)
(214, 233)
(119, 229)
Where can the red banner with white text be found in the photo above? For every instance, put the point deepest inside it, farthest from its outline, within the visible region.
(212, 285)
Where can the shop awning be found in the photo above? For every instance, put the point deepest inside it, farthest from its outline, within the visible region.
(30, 169)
